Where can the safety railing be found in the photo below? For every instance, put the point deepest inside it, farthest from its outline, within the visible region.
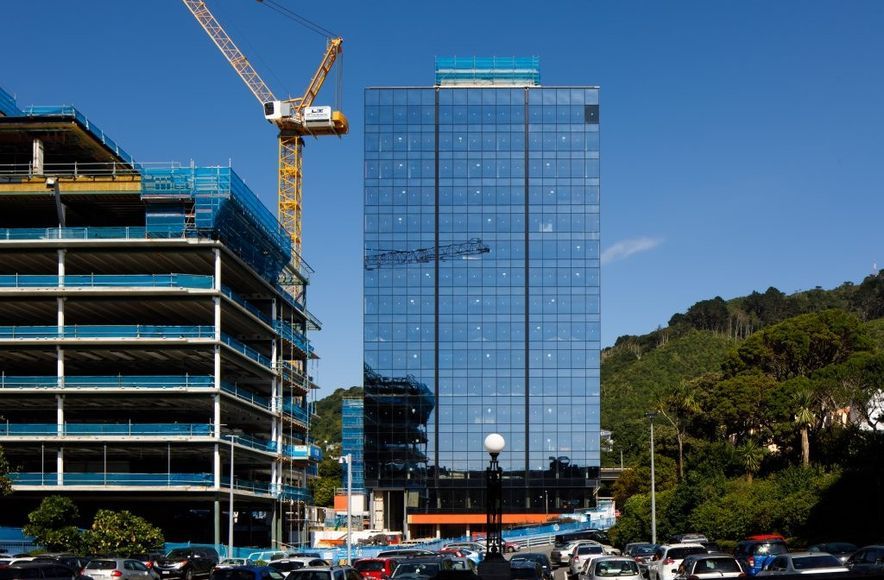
(94, 233)
(298, 412)
(262, 487)
(246, 395)
(107, 280)
(111, 429)
(290, 373)
(298, 305)
(106, 331)
(253, 442)
(69, 111)
(120, 479)
(246, 350)
(292, 492)
(286, 331)
(111, 382)
(246, 304)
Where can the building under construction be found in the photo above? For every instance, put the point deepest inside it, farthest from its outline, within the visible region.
(154, 342)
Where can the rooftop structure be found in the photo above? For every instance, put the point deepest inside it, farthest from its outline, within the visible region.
(487, 71)
(153, 336)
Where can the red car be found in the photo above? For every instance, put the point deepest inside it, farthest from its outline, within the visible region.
(376, 568)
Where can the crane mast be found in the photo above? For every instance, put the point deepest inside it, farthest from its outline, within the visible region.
(290, 116)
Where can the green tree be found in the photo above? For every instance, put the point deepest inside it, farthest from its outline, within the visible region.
(122, 533)
(5, 482)
(751, 455)
(323, 489)
(677, 407)
(53, 525)
(805, 417)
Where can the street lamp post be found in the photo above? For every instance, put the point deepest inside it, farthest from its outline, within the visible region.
(348, 459)
(651, 416)
(494, 566)
(230, 506)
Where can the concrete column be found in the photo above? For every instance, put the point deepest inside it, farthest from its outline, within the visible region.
(217, 368)
(217, 252)
(59, 414)
(59, 365)
(217, 302)
(217, 519)
(216, 470)
(59, 312)
(61, 255)
(274, 528)
(438, 532)
(37, 157)
(216, 414)
(59, 466)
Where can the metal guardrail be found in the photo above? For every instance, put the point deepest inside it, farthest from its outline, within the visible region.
(106, 331)
(113, 381)
(108, 281)
(112, 429)
(246, 350)
(123, 479)
(252, 442)
(95, 233)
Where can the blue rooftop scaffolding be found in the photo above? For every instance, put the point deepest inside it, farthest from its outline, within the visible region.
(352, 440)
(494, 70)
(8, 107)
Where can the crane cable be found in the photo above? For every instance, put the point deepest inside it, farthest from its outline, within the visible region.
(305, 22)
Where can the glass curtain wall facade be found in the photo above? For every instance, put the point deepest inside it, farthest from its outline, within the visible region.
(481, 287)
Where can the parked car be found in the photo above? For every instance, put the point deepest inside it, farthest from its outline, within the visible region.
(803, 563)
(376, 568)
(561, 556)
(526, 570)
(668, 557)
(325, 573)
(246, 573)
(606, 567)
(12, 560)
(187, 563)
(231, 563)
(76, 563)
(709, 566)
(867, 559)
(757, 551)
(405, 553)
(635, 548)
(286, 565)
(540, 558)
(38, 571)
(465, 564)
(841, 550)
(508, 547)
(150, 560)
(581, 554)
(117, 569)
(418, 568)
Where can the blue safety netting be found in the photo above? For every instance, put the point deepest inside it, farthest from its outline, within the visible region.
(488, 70)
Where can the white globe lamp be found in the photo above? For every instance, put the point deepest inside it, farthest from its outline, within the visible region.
(494, 444)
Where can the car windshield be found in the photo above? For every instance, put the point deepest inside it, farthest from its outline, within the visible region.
(644, 550)
(716, 565)
(178, 554)
(101, 565)
(680, 553)
(616, 568)
(590, 549)
(416, 569)
(771, 549)
(820, 561)
(369, 565)
(539, 558)
(309, 575)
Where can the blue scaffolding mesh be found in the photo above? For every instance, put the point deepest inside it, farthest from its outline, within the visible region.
(222, 206)
(352, 435)
(8, 106)
(506, 70)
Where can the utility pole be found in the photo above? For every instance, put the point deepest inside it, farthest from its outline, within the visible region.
(651, 416)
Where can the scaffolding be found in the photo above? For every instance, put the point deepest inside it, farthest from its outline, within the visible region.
(494, 70)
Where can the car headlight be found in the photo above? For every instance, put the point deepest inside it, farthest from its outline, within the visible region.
(179, 565)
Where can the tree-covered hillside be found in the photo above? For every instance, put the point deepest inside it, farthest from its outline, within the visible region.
(326, 427)
(768, 415)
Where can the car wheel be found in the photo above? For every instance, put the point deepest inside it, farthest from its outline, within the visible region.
(188, 575)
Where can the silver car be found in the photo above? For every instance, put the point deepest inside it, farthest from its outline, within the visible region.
(803, 563)
(608, 567)
(117, 569)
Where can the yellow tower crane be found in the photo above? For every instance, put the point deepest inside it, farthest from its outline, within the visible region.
(295, 118)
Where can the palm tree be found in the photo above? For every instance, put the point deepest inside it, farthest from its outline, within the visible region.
(805, 418)
(676, 407)
(751, 455)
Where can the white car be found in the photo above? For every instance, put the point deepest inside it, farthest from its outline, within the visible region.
(668, 557)
(582, 554)
(562, 556)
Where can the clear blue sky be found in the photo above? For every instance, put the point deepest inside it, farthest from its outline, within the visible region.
(742, 142)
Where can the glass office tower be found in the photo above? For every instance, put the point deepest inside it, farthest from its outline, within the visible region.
(481, 287)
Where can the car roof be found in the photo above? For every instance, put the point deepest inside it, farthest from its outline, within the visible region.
(516, 563)
(683, 545)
